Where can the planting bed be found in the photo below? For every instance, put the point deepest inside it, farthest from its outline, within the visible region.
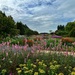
(37, 56)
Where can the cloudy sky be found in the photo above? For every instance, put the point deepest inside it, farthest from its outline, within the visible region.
(40, 15)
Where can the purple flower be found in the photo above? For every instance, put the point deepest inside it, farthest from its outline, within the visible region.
(55, 36)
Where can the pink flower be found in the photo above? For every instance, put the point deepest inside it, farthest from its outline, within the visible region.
(8, 43)
(3, 43)
(72, 53)
(3, 58)
(25, 47)
(10, 73)
(66, 53)
(6, 53)
(28, 55)
(32, 51)
(73, 43)
(16, 47)
(45, 43)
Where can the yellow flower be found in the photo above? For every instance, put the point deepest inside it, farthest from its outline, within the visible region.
(37, 60)
(65, 67)
(40, 63)
(57, 66)
(74, 69)
(41, 70)
(17, 68)
(73, 73)
(55, 62)
(44, 65)
(31, 70)
(4, 70)
(60, 74)
(52, 67)
(24, 65)
(36, 73)
(26, 72)
(26, 68)
(34, 66)
(10, 62)
(50, 63)
(21, 65)
(19, 71)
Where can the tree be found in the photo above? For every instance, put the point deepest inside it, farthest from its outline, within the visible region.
(14, 30)
(21, 27)
(70, 26)
(60, 27)
(9, 26)
(72, 33)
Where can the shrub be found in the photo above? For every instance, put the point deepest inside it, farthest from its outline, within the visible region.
(30, 43)
(50, 42)
(37, 39)
(61, 33)
(67, 41)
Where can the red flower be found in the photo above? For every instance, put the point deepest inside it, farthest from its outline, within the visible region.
(66, 39)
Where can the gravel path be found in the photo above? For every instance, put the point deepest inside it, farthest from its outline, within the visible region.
(44, 51)
(59, 52)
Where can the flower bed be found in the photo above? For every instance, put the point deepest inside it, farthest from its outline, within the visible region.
(28, 63)
(17, 59)
(56, 36)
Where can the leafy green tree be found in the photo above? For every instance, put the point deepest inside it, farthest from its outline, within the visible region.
(70, 26)
(9, 27)
(61, 33)
(24, 30)
(72, 32)
(14, 30)
(21, 28)
(7, 24)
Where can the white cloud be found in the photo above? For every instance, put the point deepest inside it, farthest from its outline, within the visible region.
(40, 15)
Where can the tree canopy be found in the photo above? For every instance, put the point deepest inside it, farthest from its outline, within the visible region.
(9, 27)
(67, 30)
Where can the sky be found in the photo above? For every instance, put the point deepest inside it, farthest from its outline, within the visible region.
(40, 15)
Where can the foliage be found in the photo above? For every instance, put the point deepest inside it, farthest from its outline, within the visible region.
(24, 30)
(70, 26)
(52, 42)
(68, 30)
(60, 27)
(9, 26)
(72, 33)
(68, 41)
(61, 33)
(21, 27)
(42, 63)
(36, 58)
